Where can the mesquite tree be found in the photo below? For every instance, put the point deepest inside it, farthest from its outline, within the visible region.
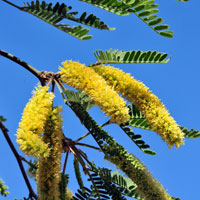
(126, 101)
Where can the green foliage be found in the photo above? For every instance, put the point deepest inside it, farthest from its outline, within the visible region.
(109, 185)
(190, 133)
(137, 140)
(126, 183)
(78, 174)
(55, 14)
(2, 119)
(103, 139)
(3, 189)
(62, 186)
(138, 120)
(32, 168)
(121, 57)
(79, 97)
(146, 10)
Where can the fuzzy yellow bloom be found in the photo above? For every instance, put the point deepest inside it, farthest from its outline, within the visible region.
(85, 79)
(153, 109)
(148, 187)
(32, 123)
(48, 174)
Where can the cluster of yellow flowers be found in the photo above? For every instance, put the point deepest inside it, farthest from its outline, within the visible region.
(32, 123)
(48, 174)
(85, 79)
(153, 109)
(147, 186)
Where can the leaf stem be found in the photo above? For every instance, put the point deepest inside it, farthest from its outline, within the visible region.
(19, 161)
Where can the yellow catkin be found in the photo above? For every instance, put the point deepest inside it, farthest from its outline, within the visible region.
(32, 123)
(143, 99)
(148, 187)
(85, 79)
(48, 174)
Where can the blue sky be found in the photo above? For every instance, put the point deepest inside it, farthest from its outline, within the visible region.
(176, 84)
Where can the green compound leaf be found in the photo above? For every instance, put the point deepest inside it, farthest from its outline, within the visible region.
(2, 119)
(78, 174)
(190, 133)
(115, 183)
(137, 140)
(125, 183)
(121, 57)
(79, 97)
(55, 14)
(145, 10)
(3, 189)
(138, 120)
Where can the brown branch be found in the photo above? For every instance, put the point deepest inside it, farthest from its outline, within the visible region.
(31, 69)
(65, 163)
(19, 161)
(12, 4)
(87, 145)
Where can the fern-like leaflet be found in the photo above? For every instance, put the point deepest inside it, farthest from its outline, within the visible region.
(55, 14)
(121, 57)
(138, 120)
(146, 10)
(79, 97)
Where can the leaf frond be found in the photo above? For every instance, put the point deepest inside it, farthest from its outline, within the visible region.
(55, 14)
(79, 97)
(190, 133)
(2, 119)
(137, 140)
(145, 10)
(121, 57)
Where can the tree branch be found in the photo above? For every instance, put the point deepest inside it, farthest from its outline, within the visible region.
(18, 158)
(31, 69)
(12, 4)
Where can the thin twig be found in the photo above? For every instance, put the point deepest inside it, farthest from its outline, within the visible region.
(12, 4)
(22, 63)
(28, 162)
(82, 137)
(18, 158)
(87, 145)
(65, 163)
(61, 92)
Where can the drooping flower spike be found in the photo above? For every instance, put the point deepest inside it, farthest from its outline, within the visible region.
(48, 173)
(86, 79)
(143, 99)
(32, 123)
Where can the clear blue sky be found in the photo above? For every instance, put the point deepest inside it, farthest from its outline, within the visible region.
(176, 84)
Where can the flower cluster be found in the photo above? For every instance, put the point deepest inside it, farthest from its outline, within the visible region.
(86, 79)
(33, 121)
(153, 109)
(48, 172)
(147, 186)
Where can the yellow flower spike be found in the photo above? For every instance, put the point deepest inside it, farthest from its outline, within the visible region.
(48, 174)
(85, 79)
(148, 187)
(153, 109)
(32, 123)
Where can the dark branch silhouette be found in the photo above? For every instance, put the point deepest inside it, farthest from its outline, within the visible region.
(19, 161)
